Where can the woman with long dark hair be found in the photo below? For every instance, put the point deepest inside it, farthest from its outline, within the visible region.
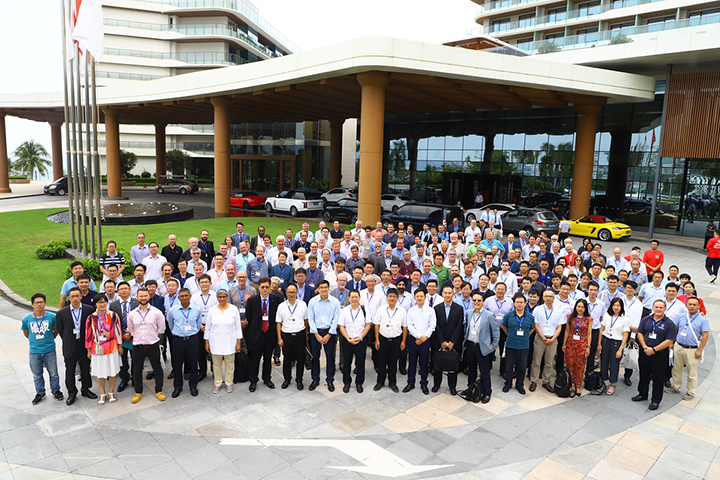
(614, 331)
(576, 345)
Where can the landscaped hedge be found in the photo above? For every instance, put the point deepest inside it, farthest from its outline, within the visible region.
(52, 250)
(92, 267)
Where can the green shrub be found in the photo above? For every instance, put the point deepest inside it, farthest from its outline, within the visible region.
(18, 177)
(52, 250)
(619, 39)
(550, 47)
(145, 174)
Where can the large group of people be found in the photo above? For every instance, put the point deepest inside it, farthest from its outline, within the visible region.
(429, 304)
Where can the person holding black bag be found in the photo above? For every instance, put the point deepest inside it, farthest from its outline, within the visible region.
(448, 335)
(481, 339)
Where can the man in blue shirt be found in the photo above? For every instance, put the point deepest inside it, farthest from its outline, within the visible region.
(40, 329)
(258, 267)
(77, 269)
(185, 322)
(490, 241)
(323, 315)
(517, 325)
(692, 336)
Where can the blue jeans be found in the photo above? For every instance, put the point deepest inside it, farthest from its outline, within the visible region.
(49, 360)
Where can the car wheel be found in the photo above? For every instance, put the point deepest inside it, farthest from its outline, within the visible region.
(268, 207)
(663, 223)
(183, 191)
(530, 230)
(160, 190)
(395, 208)
(246, 204)
(604, 235)
(61, 192)
(327, 217)
(324, 200)
(470, 217)
(293, 211)
(353, 219)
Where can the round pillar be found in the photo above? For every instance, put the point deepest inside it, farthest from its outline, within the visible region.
(160, 154)
(221, 109)
(4, 174)
(336, 136)
(584, 155)
(112, 153)
(57, 152)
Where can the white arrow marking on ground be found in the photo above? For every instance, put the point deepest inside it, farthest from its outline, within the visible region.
(377, 460)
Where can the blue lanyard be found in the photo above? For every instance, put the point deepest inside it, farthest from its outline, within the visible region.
(548, 315)
(172, 300)
(341, 296)
(353, 317)
(689, 321)
(75, 317)
(186, 315)
(292, 311)
(393, 313)
(613, 321)
(499, 305)
(242, 296)
(520, 320)
(656, 324)
(467, 304)
(205, 302)
(577, 325)
(38, 321)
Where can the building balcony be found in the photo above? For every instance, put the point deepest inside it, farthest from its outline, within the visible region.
(191, 58)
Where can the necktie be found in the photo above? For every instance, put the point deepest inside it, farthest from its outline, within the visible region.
(265, 314)
(357, 286)
(431, 301)
(125, 311)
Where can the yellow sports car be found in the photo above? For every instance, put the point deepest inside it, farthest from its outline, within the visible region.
(642, 217)
(599, 227)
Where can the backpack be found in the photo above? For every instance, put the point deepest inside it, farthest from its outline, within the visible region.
(594, 383)
(473, 393)
(564, 384)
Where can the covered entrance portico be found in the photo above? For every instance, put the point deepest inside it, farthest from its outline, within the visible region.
(263, 173)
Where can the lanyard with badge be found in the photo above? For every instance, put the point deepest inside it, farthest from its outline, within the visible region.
(242, 300)
(76, 321)
(688, 324)
(576, 335)
(187, 327)
(613, 321)
(548, 327)
(353, 318)
(390, 317)
(143, 323)
(292, 312)
(653, 334)
(40, 333)
(172, 300)
(520, 320)
(205, 304)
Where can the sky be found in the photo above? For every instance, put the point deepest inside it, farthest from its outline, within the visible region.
(34, 27)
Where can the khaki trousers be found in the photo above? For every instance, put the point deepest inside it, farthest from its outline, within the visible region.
(540, 349)
(229, 368)
(685, 357)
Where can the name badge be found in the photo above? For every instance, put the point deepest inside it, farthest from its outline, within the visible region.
(39, 336)
(576, 337)
(520, 333)
(265, 318)
(242, 311)
(143, 326)
(652, 336)
(291, 320)
(102, 338)
(76, 331)
(188, 328)
(683, 332)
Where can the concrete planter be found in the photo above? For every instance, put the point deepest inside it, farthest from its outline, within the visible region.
(19, 181)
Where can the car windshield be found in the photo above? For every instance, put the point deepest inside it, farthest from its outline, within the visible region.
(347, 202)
(547, 216)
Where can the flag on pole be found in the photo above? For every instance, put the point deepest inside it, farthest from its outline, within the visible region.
(652, 143)
(88, 29)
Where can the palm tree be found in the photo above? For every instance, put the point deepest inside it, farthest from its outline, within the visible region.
(31, 156)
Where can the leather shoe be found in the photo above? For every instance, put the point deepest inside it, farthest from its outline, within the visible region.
(548, 387)
(253, 386)
(533, 386)
(360, 389)
(285, 384)
(485, 399)
(346, 388)
(435, 388)
(70, 399)
(313, 385)
(403, 371)
(377, 387)
(520, 390)
(407, 388)
(394, 388)
(149, 375)
(194, 392)
(668, 384)
(171, 376)
(628, 382)
(202, 377)
(176, 393)
(300, 385)
(122, 385)
(654, 406)
(424, 389)
(269, 384)
(638, 398)
(331, 386)
(453, 391)
(89, 394)
(506, 388)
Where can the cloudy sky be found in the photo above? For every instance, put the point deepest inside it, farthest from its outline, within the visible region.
(32, 49)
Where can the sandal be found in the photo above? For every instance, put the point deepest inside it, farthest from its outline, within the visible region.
(112, 398)
(611, 390)
(102, 399)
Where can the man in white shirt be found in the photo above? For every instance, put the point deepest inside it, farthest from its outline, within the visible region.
(650, 292)
(153, 262)
(617, 260)
(272, 253)
(675, 308)
(549, 320)
(390, 338)
(318, 233)
(292, 332)
(306, 229)
(353, 327)
(347, 244)
(205, 299)
(499, 306)
(421, 322)
(243, 256)
(508, 278)
(471, 231)
(529, 247)
(196, 260)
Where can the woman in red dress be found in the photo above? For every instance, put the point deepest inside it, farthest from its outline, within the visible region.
(577, 342)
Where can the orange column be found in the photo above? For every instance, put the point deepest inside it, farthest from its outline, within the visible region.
(112, 153)
(584, 155)
(160, 159)
(336, 136)
(4, 175)
(222, 155)
(57, 152)
(372, 125)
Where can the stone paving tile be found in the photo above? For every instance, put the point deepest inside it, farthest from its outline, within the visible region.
(633, 461)
(695, 447)
(353, 423)
(689, 464)
(551, 470)
(605, 470)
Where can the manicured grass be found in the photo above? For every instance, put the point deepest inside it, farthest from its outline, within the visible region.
(23, 232)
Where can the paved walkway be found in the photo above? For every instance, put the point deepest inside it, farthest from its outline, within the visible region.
(290, 434)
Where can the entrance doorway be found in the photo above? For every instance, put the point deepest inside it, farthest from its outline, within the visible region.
(263, 173)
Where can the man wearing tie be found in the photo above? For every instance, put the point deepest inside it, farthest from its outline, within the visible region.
(448, 334)
(261, 332)
(123, 306)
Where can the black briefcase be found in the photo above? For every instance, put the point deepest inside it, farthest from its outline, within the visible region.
(446, 360)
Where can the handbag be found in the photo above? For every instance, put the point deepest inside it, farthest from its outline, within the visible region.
(630, 356)
(308, 358)
(446, 360)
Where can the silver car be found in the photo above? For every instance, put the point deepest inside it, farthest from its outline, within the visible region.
(532, 220)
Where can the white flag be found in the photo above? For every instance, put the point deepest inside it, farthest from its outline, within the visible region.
(88, 31)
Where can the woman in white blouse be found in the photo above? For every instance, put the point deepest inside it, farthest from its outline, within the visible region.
(223, 335)
(614, 331)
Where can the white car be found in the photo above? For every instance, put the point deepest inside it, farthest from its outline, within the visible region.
(335, 194)
(391, 202)
(297, 202)
(474, 213)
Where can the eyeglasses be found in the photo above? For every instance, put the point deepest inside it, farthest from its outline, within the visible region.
(476, 300)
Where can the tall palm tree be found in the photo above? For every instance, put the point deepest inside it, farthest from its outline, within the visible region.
(31, 156)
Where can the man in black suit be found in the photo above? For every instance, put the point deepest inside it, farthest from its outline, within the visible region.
(123, 306)
(71, 327)
(357, 282)
(448, 334)
(257, 239)
(207, 248)
(261, 332)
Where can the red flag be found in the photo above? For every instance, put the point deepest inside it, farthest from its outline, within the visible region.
(652, 143)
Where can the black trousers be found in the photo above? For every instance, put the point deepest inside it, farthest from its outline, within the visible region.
(560, 355)
(476, 360)
(293, 350)
(530, 352)
(515, 361)
(71, 363)
(417, 351)
(501, 349)
(202, 359)
(329, 348)
(388, 356)
(263, 348)
(152, 353)
(609, 365)
(438, 375)
(652, 368)
(712, 265)
(359, 351)
(184, 352)
(590, 365)
(126, 358)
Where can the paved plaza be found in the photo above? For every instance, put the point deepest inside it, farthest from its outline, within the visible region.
(288, 434)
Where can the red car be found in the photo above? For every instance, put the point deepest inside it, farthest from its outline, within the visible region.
(247, 200)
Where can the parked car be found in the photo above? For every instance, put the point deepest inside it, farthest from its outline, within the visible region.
(425, 194)
(58, 187)
(543, 197)
(344, 211)
(642, 217)
(597, 226)
(636, 205)
(336, 194)
(532, 220)
(390, 202)
(416, 214)
(474, 213)
(247, 199)
(296, 202)
(172, 185)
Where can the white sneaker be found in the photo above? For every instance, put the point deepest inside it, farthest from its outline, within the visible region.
(216, 390)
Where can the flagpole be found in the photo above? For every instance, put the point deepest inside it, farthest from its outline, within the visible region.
(68, 146)
(96, 159)
(81, 157)
(90, 167)
(76, 172)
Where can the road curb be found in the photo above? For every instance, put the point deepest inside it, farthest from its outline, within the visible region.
(13, 297)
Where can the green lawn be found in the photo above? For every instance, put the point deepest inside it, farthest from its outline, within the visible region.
(23, 232)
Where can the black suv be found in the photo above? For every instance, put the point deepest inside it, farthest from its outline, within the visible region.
(417, 214)
(58, 187)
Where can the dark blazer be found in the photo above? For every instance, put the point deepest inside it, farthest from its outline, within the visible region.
(350, 265)
(254, 242)
(117, 308)
(351, 285)
(66, 325)
(448, 329)
(253, 314)
(508, 246)
(308, 294)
